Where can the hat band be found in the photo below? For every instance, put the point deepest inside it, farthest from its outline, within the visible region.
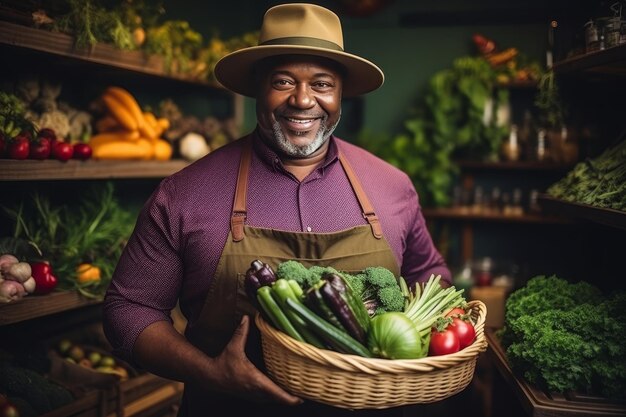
(303, 41)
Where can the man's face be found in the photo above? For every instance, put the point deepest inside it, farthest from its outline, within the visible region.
(298, 104)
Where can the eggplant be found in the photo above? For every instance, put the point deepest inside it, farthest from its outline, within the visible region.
(258, 275)
(343, 311)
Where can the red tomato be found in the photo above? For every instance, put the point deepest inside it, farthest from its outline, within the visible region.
(464, 330)
(47, 133)
(40, 148)
(82, 151)
(62, 150)
(19, 148)
(443, 342)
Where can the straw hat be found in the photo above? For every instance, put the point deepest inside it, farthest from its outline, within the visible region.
(304, 29)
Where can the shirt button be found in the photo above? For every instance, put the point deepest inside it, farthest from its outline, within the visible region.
(308, 228)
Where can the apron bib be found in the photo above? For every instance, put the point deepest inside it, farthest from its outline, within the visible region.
(348, 250)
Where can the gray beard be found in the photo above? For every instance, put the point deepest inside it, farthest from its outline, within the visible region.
(294, 151)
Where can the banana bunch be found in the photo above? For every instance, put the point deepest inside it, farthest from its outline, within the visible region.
(127, 132)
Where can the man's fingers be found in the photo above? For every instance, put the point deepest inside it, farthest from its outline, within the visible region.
(240, 334)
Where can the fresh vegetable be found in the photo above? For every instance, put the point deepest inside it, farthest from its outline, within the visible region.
(378, 289)
(40, 148)
(430, 302)
(86, 273)
(282, 289)
(340, 306)
(82, 151)
(295, 270)
(11, 291)
(276, 315)
(337, 339)
(464, 330)
(340, 284)
(45, 280)
(443, 340)
(63, 151)
(564, 336)
(259, 274)
(393, 335)
(599, 182)
(315, 301)
(19, 148)
(120, 112)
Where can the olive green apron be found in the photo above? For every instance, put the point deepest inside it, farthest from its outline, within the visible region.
(349, 250)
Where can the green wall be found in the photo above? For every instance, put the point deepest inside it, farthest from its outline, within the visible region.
(409, 56)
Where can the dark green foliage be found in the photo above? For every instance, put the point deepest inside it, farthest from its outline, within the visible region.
(567, 337)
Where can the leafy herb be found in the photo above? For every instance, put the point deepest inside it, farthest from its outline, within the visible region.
(450, 122)
(94, 231)
(563, 336)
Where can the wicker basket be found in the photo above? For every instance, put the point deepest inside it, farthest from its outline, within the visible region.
(354, 382)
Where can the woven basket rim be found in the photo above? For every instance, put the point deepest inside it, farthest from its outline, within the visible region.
(375, 366)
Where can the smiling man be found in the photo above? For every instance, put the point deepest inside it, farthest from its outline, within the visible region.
(288, 190)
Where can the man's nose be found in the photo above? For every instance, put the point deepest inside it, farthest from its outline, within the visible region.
(302, 97)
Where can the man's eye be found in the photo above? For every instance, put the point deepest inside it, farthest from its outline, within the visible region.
(323, 84)
(281, 83)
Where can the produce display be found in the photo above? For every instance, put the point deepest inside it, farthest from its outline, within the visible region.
(125, 131)
(91, 358)
(16, 279)
(566, 336)
(369, 314)
(599, 182)
(64, 247)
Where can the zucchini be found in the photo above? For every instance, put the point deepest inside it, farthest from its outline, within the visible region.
(276, 315)
(342, 341)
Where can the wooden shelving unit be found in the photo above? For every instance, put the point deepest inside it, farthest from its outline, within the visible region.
(144, 394)
(537, 403)
(606, 61)
(466, 214)
(34, 306)
(47, 170)
(607, 217)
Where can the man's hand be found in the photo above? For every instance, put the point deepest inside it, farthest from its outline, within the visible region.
(240, 377)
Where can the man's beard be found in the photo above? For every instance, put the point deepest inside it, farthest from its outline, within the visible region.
(294, 151)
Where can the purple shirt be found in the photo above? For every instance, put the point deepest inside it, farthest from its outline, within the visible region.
(183, 227)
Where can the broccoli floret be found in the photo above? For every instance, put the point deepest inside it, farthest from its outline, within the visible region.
(306, 277)
(293, 270)
(378, 288)
(391, 299)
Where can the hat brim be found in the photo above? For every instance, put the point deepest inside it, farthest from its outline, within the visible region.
(234, 71)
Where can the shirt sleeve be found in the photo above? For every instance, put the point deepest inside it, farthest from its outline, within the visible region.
(421, 258)
(148, 276)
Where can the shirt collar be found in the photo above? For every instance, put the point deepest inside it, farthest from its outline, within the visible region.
(268, 156)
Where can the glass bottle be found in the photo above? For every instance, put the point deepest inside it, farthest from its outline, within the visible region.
(511, 148)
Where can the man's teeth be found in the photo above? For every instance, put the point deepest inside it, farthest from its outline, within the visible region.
(302, 121)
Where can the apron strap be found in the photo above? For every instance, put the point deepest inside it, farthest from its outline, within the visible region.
(364, 202)
(239, 213)
(238, 217)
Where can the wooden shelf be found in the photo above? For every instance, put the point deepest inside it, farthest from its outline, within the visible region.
(63, 45)
(537, 403)
(27, 170)
(33, 306)
(607, 217)
(465, 214)
(607, 61)
(512, 166)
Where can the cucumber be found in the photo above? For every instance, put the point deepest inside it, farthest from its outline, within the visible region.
(276, 315)
(342, 341)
